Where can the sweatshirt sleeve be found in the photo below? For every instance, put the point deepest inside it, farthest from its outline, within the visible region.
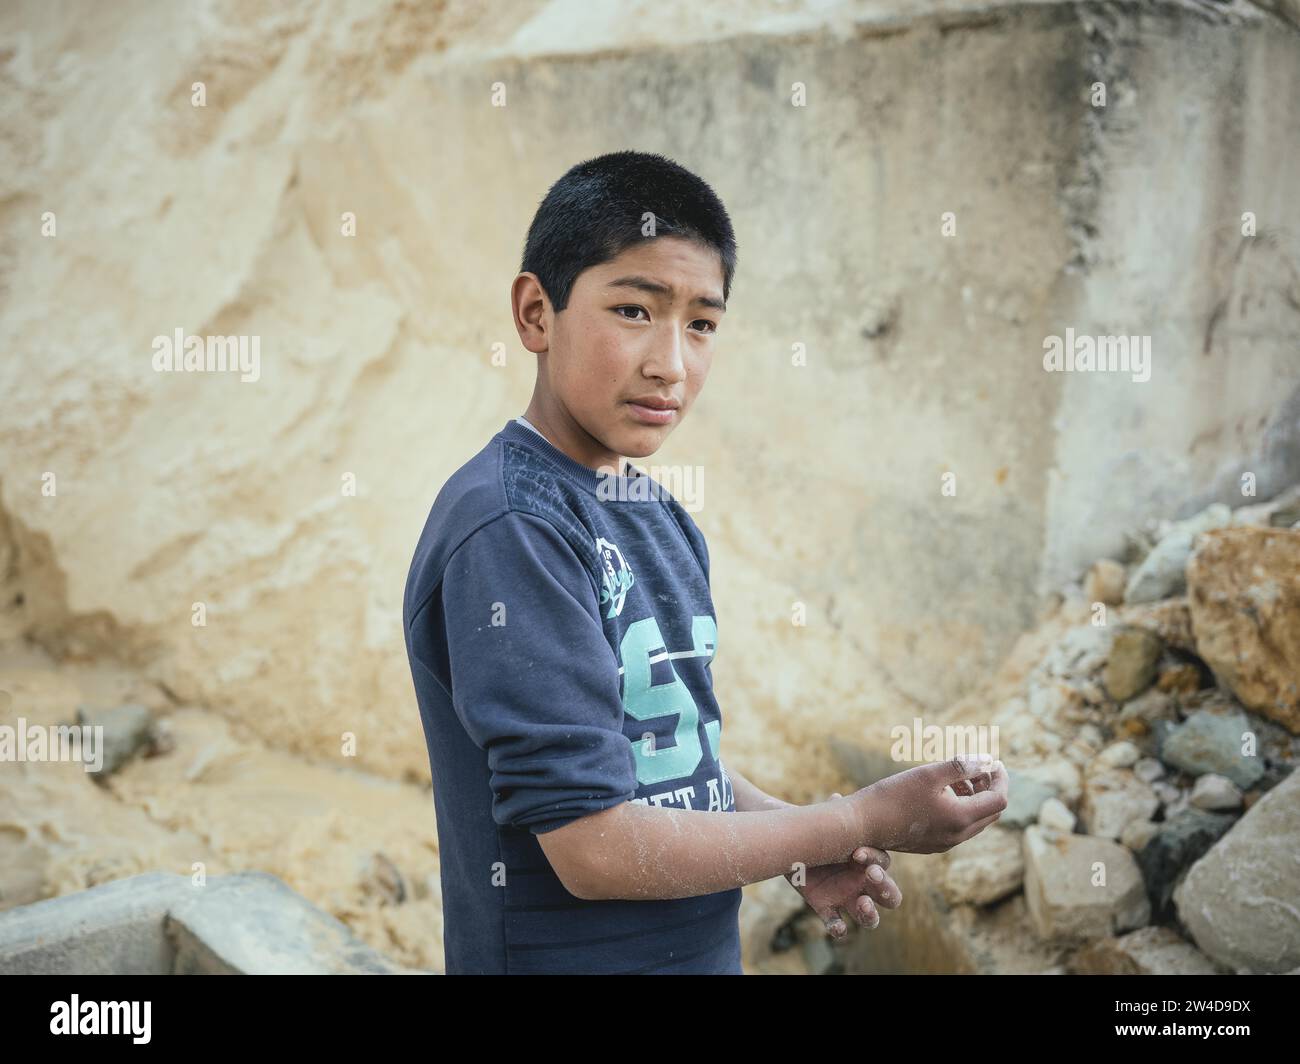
(534, 681)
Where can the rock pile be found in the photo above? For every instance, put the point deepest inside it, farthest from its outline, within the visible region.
(1154, 821)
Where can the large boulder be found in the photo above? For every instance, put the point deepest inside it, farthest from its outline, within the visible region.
(1244, 596)
(1241, 901)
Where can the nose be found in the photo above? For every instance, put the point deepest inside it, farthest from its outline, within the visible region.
(667, 363)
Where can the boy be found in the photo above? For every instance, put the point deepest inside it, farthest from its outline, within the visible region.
(561, 633)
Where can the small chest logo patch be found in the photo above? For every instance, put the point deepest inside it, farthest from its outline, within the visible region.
(616, 575)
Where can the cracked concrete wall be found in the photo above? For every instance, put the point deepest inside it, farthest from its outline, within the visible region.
(924, 351)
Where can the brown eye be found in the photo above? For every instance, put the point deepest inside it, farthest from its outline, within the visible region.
(629, 307)
(711, 327)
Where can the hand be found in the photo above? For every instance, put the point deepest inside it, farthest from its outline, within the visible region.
(932, 808)
(848, 889)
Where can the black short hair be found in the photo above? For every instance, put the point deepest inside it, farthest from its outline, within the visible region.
(598, 208)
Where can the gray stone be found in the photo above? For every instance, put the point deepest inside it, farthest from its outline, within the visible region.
(1211, 742)
(128, 730)
(1163, 571)
(1178, 844)
(161, 923)
(1025, 796)
(1241, 901)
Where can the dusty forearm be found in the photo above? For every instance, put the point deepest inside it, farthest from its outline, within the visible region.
(644, 852)
(749, 796)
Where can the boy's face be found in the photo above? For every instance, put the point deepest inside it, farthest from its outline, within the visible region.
(640, 327)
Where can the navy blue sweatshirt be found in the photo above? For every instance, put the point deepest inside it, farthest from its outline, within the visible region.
(560, 633)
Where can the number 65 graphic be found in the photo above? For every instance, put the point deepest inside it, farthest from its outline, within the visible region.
(644, 701)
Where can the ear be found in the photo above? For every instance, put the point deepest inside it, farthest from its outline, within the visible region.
(531, 309)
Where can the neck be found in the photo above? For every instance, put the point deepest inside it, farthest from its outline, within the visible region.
(566, 435)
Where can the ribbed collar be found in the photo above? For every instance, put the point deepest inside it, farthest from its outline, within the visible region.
(584, 476)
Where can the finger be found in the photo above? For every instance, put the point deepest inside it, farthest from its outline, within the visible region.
(986, 803)
(962, 788)
(962, 767)
(866, 914)
(869, 855)
(887, 892)
(832, 920)
(997, 771)
(883, 891)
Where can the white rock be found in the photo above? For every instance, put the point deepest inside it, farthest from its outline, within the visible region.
(1215, 793)
(985, 868)
(1111, 799)
(1149, 769)
(1055, 814)
(1078, 887)
(1119, 755)
(1062, 775)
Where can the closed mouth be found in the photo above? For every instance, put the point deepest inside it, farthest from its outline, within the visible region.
(655, 403)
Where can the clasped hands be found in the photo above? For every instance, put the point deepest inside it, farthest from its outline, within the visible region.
(926, 809)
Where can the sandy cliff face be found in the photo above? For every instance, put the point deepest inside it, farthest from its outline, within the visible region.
(287, 505)
(349, 195)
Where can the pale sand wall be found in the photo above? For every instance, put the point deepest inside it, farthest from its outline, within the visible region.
(821, 482)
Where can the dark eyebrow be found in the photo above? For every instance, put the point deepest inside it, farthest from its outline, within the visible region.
(644, 284)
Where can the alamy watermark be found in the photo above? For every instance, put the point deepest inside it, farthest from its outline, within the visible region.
(78, 1017)
(208, 354)
(930, 742)
(1098, 354)
(54, 742)
(683, 483)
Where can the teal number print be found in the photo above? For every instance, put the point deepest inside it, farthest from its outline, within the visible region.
(643, 701)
